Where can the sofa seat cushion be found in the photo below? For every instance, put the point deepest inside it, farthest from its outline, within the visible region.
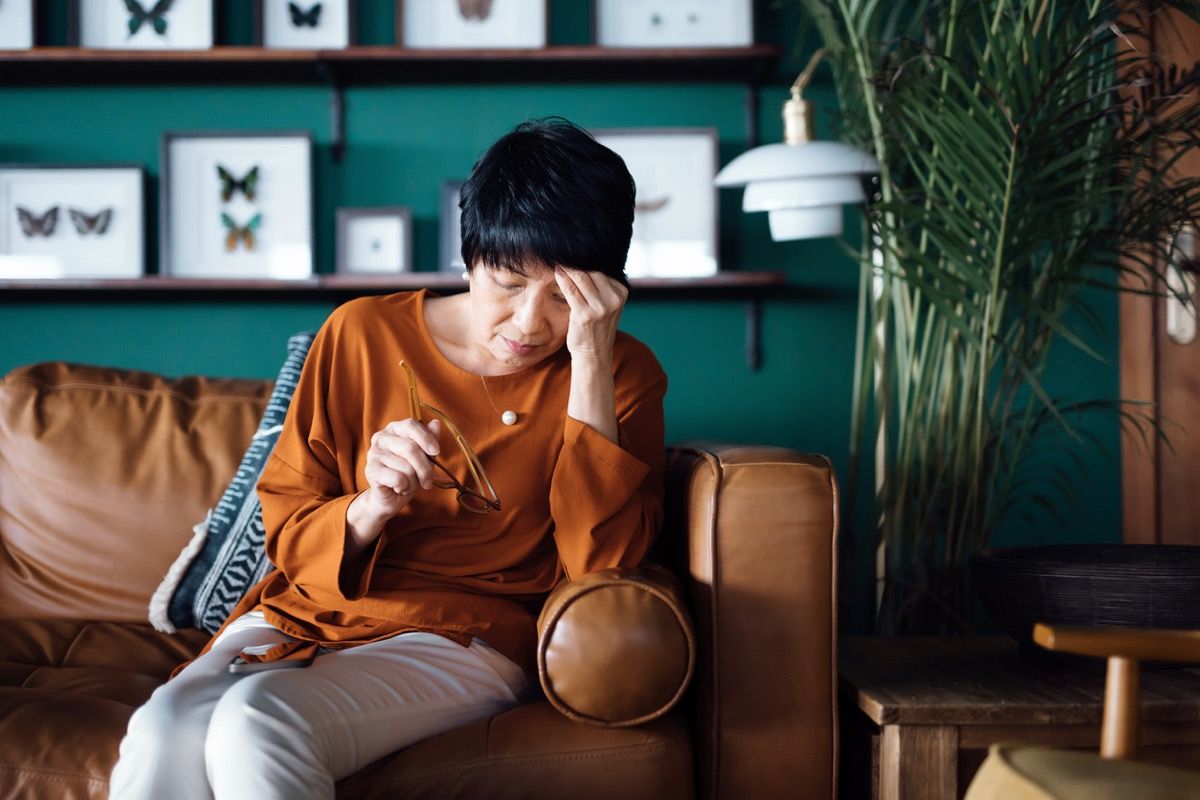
(533, 752)
(67, 690)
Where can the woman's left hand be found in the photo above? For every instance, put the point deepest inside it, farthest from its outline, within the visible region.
(596, 301)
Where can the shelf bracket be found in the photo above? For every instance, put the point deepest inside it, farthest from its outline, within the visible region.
(753, 336)
(750, 105)
(337, 112)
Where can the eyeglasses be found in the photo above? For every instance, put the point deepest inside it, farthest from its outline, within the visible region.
(482, 498)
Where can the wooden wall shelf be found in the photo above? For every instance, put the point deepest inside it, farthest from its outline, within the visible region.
(734, 285)
(385, 64)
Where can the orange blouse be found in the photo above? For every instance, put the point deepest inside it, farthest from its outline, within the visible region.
(572, 501)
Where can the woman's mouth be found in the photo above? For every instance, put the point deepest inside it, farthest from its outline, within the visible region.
(518, 348)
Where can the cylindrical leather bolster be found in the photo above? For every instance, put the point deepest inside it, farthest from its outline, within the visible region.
(616, 647)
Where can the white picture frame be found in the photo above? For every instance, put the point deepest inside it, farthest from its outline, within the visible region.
(374, 241)
(112, 25)
(675, 220)
(450, 228)
(468, 24)
(304, 24)
(17, 23)
(236, 205)
(674, 23)
(72, 221)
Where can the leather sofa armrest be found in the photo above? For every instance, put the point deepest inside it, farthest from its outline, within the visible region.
(616, 647)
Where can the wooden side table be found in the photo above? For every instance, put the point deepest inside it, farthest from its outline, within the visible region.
(918, 713)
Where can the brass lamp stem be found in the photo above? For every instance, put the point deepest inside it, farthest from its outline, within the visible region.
(797, 113)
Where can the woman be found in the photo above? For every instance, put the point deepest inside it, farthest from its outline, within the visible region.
(409, 569)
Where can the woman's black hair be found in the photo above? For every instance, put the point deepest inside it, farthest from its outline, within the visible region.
(549, 194)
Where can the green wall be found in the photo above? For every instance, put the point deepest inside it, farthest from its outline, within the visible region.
(402, 142)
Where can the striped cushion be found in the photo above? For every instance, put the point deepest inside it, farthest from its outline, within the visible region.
(226, 556)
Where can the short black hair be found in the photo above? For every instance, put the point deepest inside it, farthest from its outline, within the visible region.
(548, 193)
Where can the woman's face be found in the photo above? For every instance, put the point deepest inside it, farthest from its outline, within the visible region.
(517, 319)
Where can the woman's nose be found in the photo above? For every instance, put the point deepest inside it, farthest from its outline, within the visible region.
(529, 317)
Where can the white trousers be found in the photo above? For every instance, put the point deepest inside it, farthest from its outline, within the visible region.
(291, 733)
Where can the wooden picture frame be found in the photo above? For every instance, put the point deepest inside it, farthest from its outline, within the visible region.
(676, 222)
(236, 204)
(374, 241)
(345, 12)
(473, 24)
(72, 221)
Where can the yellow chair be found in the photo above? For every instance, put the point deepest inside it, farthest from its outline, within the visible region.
(1022, 772)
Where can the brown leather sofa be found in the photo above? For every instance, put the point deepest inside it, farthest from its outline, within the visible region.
(103, 472)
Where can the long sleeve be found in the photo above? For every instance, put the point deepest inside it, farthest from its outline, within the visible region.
(304, 490)
(606, 499)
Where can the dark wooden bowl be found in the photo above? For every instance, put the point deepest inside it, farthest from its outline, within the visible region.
(1125, 585)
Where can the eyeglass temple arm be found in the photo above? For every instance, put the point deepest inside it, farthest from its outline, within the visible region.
(414, 411)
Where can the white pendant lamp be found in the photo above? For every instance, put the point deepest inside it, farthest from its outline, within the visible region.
(801, 184)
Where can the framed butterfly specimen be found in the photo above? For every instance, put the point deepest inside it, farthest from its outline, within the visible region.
(674, 23)
(472, 23)
(450, 228)
(374, 240)
(142, 24)
(303, 24)
(236, 204)
(675, 209)
(18, 20)
(72, 221)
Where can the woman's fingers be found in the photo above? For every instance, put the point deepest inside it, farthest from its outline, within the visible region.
(399, 455)
(602, 294)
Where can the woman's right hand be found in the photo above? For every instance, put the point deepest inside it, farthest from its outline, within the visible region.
(398, 466)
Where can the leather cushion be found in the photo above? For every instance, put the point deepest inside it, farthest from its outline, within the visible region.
(1015, 772)
(67, 690)
(534, 753)
(103, 473)
(616, 647)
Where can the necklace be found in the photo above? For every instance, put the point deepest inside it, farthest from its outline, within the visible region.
(509, 417)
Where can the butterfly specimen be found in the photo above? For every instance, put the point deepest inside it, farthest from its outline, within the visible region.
(235, 232)
(301, 18)
(90, 223)
(156, 16)
(475, 9)
(652, 205)
(32, 225)
(248, 185)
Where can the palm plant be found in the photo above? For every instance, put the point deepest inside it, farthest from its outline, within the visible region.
(1026, 151)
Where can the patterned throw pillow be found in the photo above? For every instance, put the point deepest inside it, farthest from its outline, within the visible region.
(225, 556)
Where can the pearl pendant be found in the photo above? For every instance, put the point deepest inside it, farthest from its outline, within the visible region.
(509, 418)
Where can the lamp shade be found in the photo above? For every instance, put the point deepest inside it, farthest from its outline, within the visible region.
(801, 186)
